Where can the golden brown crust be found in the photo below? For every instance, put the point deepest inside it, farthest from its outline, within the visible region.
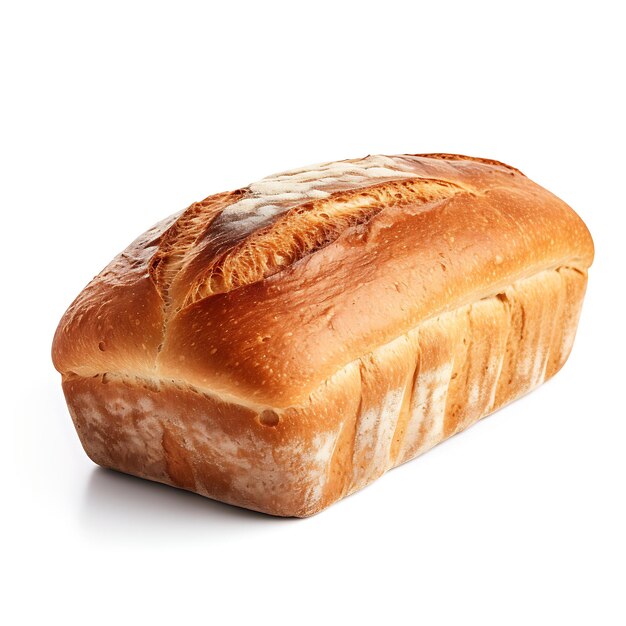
(321, 281)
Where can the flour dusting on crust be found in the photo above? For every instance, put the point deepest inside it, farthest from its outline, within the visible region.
(275, 194)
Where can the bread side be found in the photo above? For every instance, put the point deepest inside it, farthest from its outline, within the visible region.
(377, 412)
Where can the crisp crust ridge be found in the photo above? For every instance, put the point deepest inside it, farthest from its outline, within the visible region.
(308, 227)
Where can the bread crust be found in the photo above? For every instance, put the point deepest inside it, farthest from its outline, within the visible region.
(261, 299)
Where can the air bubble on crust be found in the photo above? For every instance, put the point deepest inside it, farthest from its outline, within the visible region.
(269, 418)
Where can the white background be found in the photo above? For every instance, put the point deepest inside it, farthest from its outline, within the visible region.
(116, 114)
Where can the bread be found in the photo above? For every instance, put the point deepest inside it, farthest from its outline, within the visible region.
(280, 346)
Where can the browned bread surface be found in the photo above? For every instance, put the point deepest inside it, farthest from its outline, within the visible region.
(262, 299)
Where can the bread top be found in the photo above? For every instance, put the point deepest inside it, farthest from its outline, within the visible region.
(259, 295)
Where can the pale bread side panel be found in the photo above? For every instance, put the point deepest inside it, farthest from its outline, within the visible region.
(472, 361)
(174, 434)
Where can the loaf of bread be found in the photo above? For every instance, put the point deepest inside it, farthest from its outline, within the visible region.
(281, 346)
